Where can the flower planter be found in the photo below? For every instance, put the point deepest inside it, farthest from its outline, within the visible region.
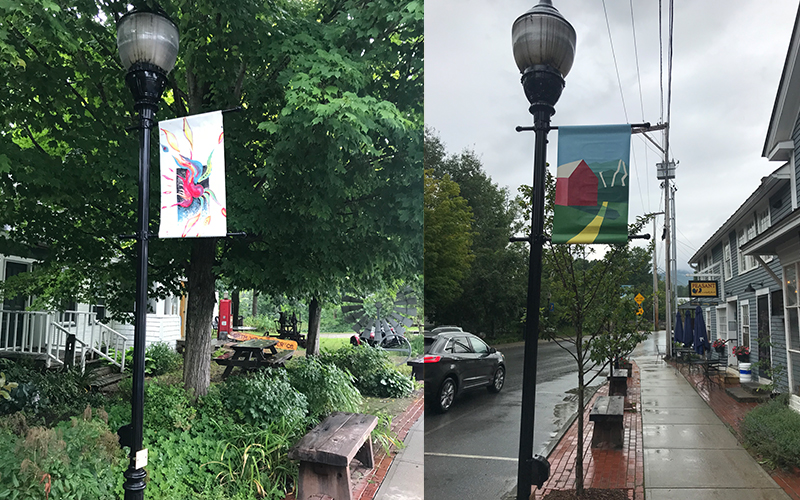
(720, 349)
(745, 375)
(628, 367)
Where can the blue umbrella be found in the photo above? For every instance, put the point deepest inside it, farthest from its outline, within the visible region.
(688, 335)
(678, 327)
(700, 335)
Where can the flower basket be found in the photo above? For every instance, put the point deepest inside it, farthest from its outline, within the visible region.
(742, 353)
(719, 346)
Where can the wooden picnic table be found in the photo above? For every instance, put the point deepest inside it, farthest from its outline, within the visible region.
(250, 355)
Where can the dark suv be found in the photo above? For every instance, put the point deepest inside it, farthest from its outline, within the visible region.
(455, 361)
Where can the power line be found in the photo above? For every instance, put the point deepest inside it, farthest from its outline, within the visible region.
(616, 67)
(641, 100)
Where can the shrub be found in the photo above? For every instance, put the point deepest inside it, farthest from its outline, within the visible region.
(79, 458)
(773, 431)
(265, 397)
(360, 360)
(160, 359)
(388, 383)
(47, 396)
(167, 406)
(326, 387)
(375, 375)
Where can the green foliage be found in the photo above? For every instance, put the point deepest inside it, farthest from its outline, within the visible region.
(47, 396)
(387, 383)
(494, 284)
(359, 361)
(448, 241)
(77, 459)
(375, 375)
(167, 406)
(255, 463)
(5, 387)
(326, 387)
(161, 359)
(773, 431)
(383, 435)
(417, 344)
(265, 397)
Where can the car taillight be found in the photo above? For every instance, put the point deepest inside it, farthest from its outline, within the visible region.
(432, 359)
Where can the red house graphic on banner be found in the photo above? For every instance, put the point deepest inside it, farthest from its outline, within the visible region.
(576, 185)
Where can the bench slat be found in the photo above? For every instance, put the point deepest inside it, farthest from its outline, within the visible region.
(607, 408)
(336, 440)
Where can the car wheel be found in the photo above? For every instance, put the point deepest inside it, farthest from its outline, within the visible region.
(498, 380)
(446, 395)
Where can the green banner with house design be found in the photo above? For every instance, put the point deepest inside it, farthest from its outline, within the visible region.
(591, 203)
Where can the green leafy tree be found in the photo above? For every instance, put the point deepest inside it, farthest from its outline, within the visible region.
(448, 240)
(323, 162)
(494, 285)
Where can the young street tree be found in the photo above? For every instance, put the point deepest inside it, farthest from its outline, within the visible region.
(593, 316)
(323, 162)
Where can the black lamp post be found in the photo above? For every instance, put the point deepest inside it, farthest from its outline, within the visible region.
(544, 48)
(148, 47)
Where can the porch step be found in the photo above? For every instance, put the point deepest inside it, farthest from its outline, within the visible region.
(755, 388)
(742, 395)
(108, 382)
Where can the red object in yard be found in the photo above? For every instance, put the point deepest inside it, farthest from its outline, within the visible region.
(225, 321)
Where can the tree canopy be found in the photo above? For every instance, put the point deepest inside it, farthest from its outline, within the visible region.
(324, 162)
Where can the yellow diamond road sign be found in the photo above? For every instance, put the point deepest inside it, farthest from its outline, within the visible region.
(639, 298)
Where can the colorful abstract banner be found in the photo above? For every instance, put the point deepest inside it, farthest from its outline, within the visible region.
(591, 203)
(192, 152)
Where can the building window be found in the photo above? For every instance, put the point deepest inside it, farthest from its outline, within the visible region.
(746, 262)
(726, 255)
(745, 321)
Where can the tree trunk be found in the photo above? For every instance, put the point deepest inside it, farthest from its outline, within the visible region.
(235, 308)
(314, 316)
(199, 316)
(255, 304)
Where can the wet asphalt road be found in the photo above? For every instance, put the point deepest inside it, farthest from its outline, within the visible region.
(471, 451)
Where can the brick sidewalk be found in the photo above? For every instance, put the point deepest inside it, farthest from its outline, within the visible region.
(609, 469)
(732, 412)
(367, 486)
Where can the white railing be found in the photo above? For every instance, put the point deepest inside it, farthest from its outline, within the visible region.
(45, 335)
(28, 333)
(101, 340)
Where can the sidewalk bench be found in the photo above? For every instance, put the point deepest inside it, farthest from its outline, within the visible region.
(609, 431)
(325, 454)
(618, 383)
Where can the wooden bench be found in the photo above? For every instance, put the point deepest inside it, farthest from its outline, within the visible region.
(609, 431)
(618, 383)
(280, 359)
(325, 454)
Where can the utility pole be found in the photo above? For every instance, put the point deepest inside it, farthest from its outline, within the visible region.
(666, 171)
(655, 270)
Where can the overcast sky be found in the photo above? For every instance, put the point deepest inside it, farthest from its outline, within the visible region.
(727, 61)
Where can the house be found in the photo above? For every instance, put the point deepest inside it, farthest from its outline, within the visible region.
(576, 185)
(747, 311)
(756, 253)
(47, 335)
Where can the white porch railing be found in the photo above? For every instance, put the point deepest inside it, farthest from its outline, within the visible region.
(45, 335)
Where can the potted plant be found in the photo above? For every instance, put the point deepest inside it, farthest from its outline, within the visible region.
(719, 345)
(742, 353)
(625, 364)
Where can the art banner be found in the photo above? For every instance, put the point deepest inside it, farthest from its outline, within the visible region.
(591, 203)
(192, 152)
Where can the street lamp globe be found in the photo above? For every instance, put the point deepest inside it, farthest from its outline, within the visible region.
(147, 41)
(544, 49)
